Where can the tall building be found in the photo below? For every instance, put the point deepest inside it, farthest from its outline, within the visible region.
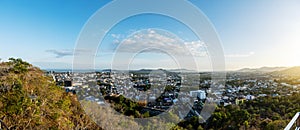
(198, 93)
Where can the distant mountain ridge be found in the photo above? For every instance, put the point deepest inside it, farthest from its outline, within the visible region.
(181, 70)
(262, 69)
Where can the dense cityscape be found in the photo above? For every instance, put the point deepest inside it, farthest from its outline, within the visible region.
(155, 91)
(240, 86)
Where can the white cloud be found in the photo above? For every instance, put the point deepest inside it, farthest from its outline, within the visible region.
(158, 41)
(117, 36)
(240, 55)
(60, 53)
(66, 52)
(197, 48)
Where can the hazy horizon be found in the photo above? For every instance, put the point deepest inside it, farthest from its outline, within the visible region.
(172, 69)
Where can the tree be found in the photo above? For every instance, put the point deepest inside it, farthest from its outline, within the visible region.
(19, 66)
(146, 114)
(200, 127)
(276, 125)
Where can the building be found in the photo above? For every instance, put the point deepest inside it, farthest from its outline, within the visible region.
(68, 83)
(198, 93)
(250, 97)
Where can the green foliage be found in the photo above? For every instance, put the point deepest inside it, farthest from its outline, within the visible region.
(32, 101)
(125, 106)
(270, 113)
(169, 88)
(146, 114)
(276, 125)
(19, 66)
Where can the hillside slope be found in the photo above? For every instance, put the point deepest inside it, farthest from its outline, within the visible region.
(31, 100)
(292, 71)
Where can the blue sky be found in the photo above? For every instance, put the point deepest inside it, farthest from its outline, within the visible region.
(253, 33)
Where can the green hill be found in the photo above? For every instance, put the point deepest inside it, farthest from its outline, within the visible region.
(30, 100)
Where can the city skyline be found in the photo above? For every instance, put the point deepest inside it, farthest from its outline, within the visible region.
(253, 33)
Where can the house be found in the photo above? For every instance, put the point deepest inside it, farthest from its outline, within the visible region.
(198, 93)
(250, 97)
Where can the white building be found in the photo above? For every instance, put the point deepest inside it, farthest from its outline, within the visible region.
(198, 93)
(250, 97)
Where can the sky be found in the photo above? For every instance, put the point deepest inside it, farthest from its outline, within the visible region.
(253, 33)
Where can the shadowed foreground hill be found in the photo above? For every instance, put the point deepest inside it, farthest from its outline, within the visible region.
(31, 100)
